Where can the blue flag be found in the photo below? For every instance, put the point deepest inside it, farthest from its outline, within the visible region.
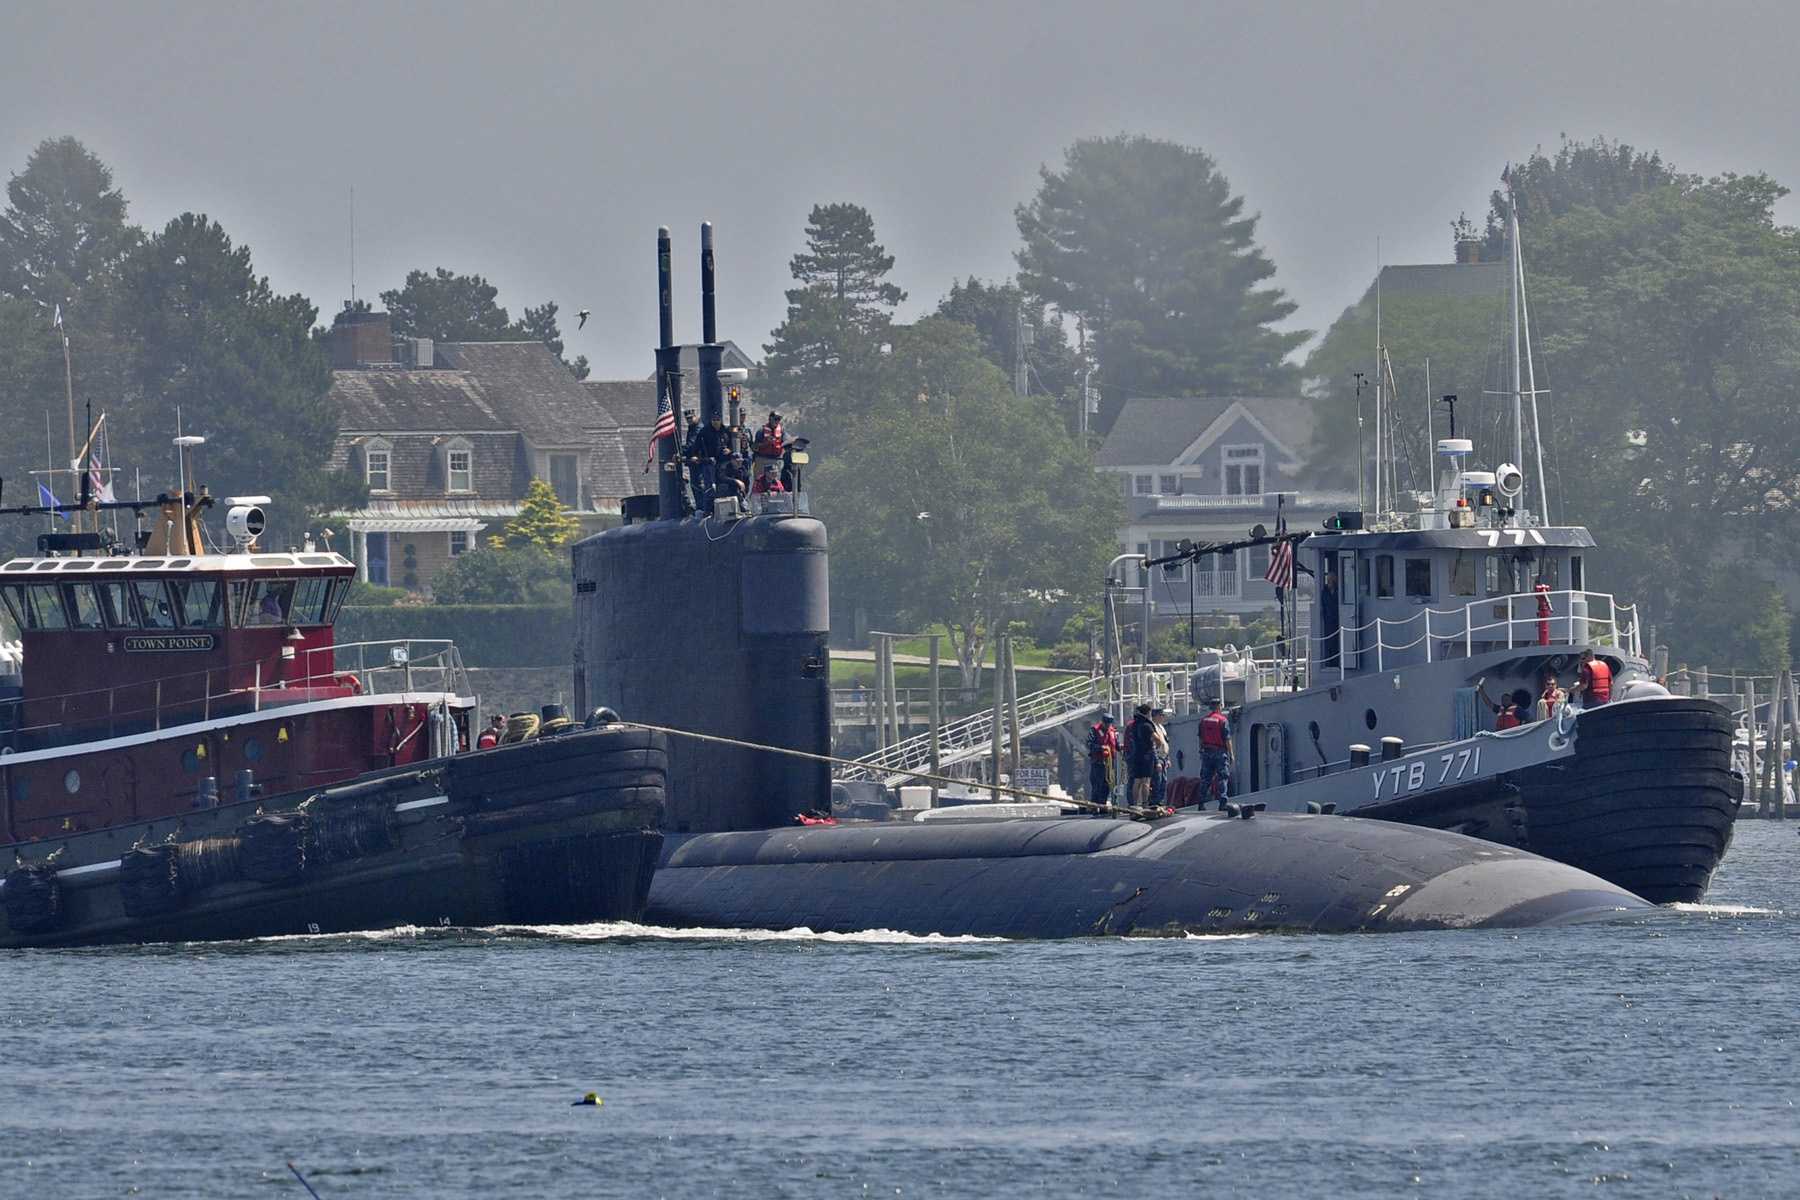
(47, 498)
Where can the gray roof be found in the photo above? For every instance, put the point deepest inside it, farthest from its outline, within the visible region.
(1445, 280)
(539, 395)
(630, 402)
(1156, 429)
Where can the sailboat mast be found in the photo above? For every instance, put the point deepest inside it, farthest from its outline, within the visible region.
(1378, 387)
(1512, 212)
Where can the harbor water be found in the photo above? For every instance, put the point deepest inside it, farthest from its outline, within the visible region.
(1647, 1058)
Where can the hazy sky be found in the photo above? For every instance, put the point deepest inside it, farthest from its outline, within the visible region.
(541, 144)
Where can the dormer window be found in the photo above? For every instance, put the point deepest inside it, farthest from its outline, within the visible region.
(1243, 470)
(378, 457)
(459, 468)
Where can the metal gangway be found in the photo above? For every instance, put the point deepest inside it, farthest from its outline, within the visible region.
(972, 737)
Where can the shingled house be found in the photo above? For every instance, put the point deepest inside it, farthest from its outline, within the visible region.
(448, 438)
(1208, 469)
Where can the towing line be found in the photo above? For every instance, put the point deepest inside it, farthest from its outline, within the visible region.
(1135, 814)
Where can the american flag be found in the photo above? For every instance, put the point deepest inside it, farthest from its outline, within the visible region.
(665, 426)
(1281, 559)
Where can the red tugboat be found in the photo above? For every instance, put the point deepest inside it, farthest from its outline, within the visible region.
(188, 755)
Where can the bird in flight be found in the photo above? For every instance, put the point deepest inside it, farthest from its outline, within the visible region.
(582, 316)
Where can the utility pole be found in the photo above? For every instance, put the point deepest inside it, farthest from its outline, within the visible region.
(937, 717)
(1012, 711)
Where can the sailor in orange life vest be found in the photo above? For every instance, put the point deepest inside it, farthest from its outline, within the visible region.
(1551, 698)
(490, 737)
(1511, 713)
(1594, 684)
(1103, 757)
(1215, 755)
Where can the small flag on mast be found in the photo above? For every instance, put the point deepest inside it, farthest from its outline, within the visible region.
(665, 426)
(47, 499)
(1281, 561)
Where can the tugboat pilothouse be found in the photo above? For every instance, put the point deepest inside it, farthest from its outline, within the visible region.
(187, 753)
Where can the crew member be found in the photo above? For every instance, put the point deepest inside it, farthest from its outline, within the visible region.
(490, 737)
(1509, 712)
(1328, 621)
(1140, 755)
(1103, 756)
(1159, 782)
(1215, 755)
(732, 480)
(691, 456)
(769, 480)
(770, 444)
(1594, 682)
(1550, 697)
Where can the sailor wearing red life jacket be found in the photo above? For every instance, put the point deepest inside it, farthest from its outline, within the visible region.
(1215, 755)
(1595, 683)
(1103, 757)
(490, 737)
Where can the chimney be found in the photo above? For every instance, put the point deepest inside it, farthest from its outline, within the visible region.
(361, 339)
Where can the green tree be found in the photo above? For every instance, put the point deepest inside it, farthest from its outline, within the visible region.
(522, 574)
(1144, 243)
(541, 521)
(448, 307)
(1600, 174)
(539, 325)
(1675, 344)
(212, 337)
(955, 502)
(837, 317)
(994, 310)
(64, 229)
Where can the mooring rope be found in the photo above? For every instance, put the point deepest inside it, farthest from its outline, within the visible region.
(1016, 792)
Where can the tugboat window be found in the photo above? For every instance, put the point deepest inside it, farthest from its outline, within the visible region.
(1418, 577)
(310, 597)
(47, 607)
(1462, 574)
(15, 600)
(1492, 565)
(153, 603)
(269, 601)
(1575, 572)
(84, 606)
(1384, 575)
(116, 607)
(200, 602)
(1550, 572)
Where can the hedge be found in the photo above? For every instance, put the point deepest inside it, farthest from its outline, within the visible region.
(489, 635)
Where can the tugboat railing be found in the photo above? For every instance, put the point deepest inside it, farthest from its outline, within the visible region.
(1515, 621)
(380, 668)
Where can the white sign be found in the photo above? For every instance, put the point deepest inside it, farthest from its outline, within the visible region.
(1034, 779)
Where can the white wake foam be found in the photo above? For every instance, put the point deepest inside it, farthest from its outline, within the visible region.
(1724, 910)
(626, 930)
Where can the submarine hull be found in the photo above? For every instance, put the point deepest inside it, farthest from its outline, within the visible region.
(1082, 877)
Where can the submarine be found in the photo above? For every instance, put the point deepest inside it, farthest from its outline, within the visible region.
(712, 627)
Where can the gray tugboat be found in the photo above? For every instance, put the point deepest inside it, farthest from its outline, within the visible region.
(1386, 708)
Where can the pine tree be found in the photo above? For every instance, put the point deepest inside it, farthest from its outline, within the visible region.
(1144, 242)
(448, 307)
(837, 318)
(64, 228)
(541, 521)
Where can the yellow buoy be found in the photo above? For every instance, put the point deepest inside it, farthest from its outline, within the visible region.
(591, 1100)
